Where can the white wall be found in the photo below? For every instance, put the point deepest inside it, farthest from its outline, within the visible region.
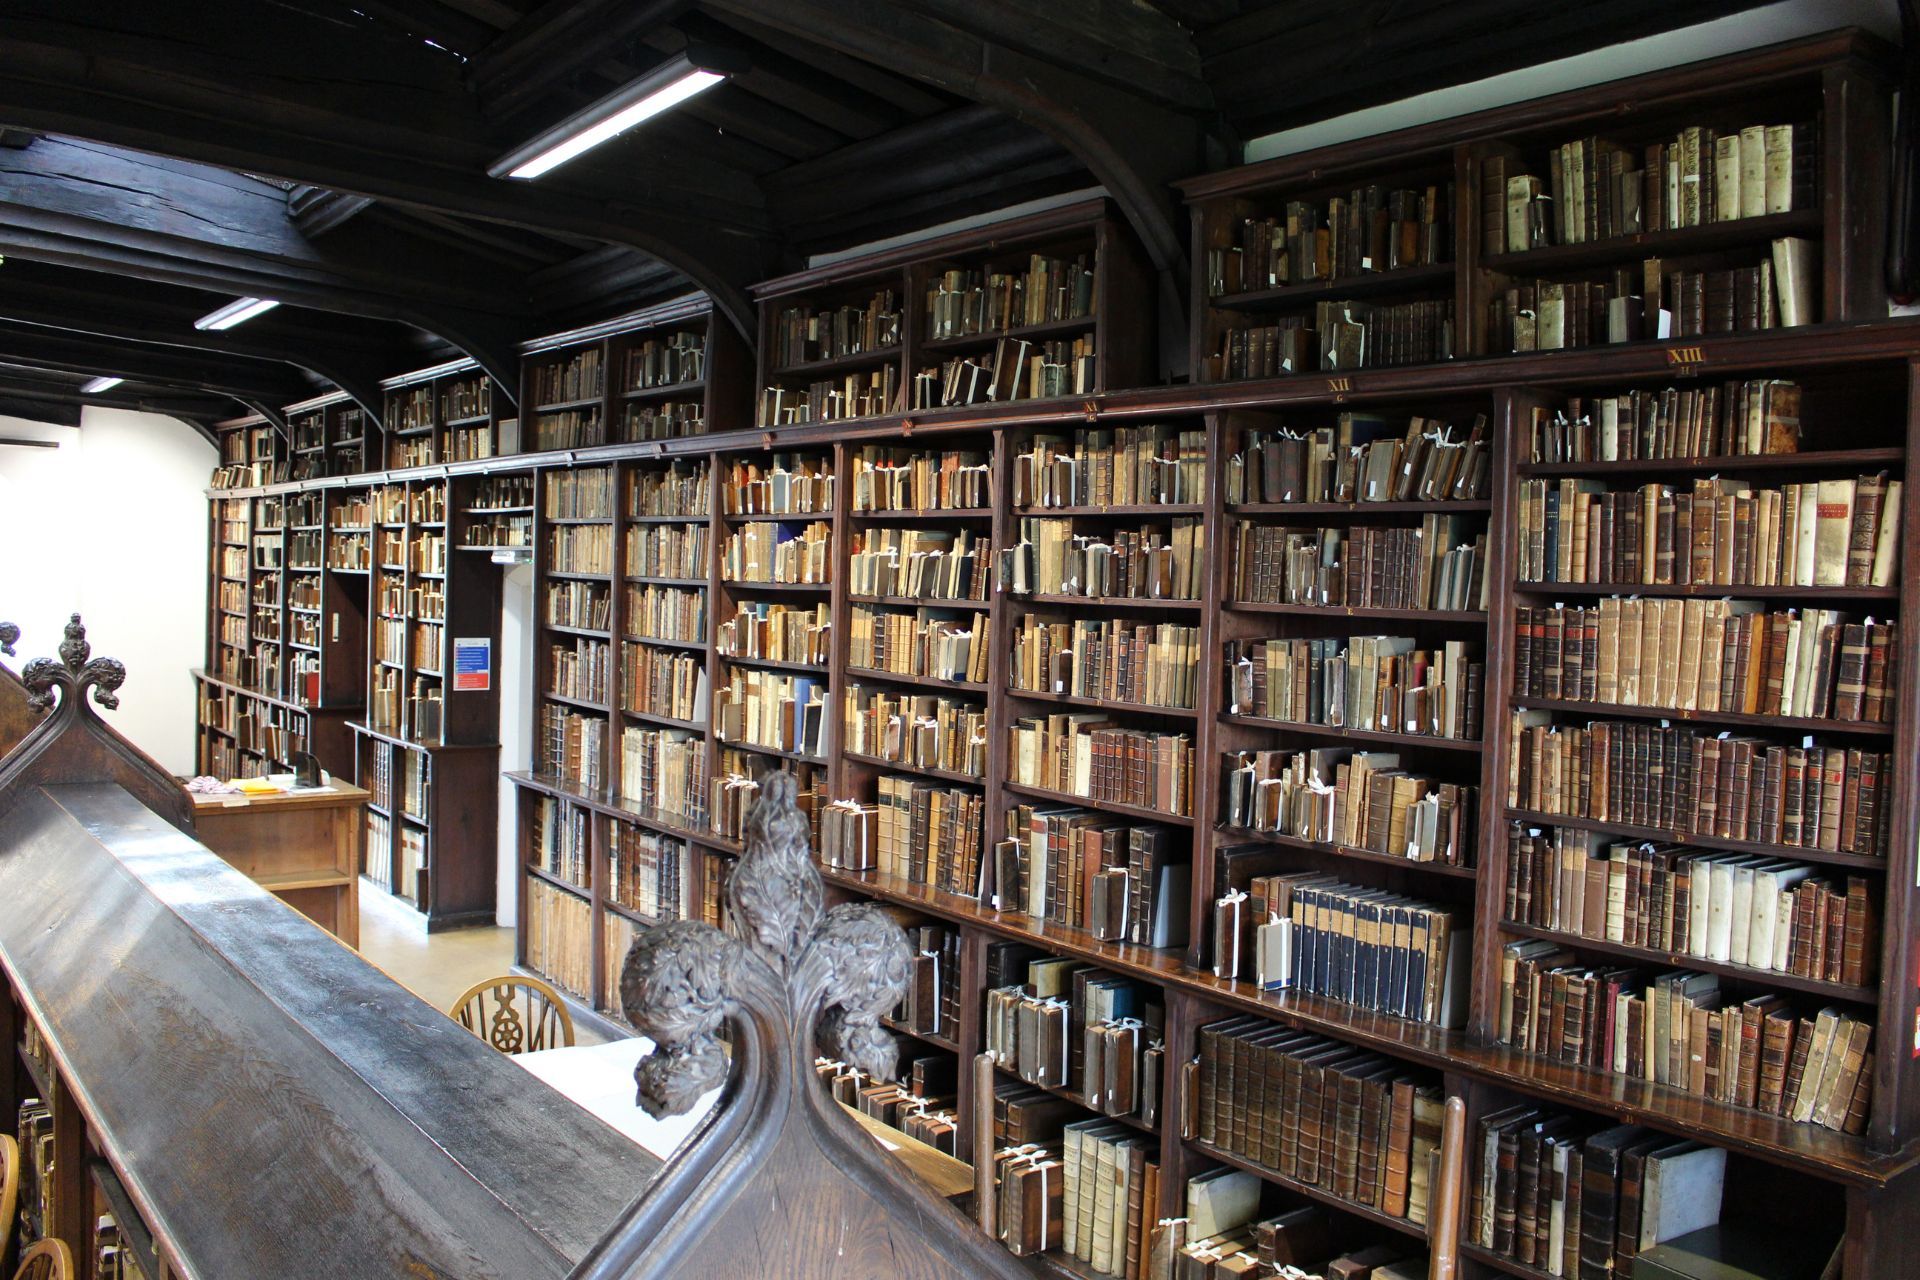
(113, 524)
(515, 673)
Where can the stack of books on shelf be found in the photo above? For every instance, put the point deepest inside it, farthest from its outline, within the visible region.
(1362, 458)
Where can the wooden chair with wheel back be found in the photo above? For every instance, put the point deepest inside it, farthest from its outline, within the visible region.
(46, 1260)
(515, 1014)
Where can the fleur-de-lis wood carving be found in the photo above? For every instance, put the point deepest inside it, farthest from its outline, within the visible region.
(74, 673)
(777, 1180)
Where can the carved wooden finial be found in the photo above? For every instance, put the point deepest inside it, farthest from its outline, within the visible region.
(9, 636)
(838, 971)
(74, 673)
(777, 1159)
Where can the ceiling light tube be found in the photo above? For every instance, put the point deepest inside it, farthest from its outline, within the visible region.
(666, 86)
(239, 311)
(98, 385)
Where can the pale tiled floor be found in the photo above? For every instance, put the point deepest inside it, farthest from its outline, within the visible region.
(437, 967)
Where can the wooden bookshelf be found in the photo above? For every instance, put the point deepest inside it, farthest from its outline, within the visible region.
(1836, 83)
(1861, 378)
(447, 413)
(920, 336)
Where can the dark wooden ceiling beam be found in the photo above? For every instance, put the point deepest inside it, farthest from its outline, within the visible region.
(556, 42)
(91, 206)
(1134, 146)
(914, 212)
(458, 32)
(55, 399)
(913, 99)
(316, 211)
(1123, 43)
(78, 353)
(29, 294)
(164, 82)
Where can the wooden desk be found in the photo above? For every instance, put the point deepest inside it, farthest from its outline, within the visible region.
(304, 847)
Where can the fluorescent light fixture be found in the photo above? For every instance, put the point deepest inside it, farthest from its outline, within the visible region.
(98, 385)
(239, 311)
(666, 86)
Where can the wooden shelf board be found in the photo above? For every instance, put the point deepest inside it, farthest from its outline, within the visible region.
(1058, 1091)
(1369, 285)
(895, 677)
(1711, 591)
(1678, 241)
(1347, 851)
(1813, 459)
(1464, 617)
(1101, 806)
(925, 771)
(947, 513)
(1282, 509)
(1674, 960)
(1308, 1189)
(1113, 509)
(1786, 724)
(1103, 704)
(1628, 832)
(1472, 746)
(876, 358)
(1044, 329)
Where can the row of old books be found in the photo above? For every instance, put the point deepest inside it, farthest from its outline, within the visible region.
(574, 603)
(665, 362)
(924, 564)
(1698, 176)
(1679, 1029)
(963, 302)
(660, 682)
(1826, 533)
(580, 495)
(578, 672)
(1077, 1029)
(1767, 914)
(1122, 882)
(681, 488)
(1297, 1244)
(1154, 664)
(1111, 466)
(891, 478)
(1440, 565)
(668, 551)
(832, 400)
(1369, 948)
(579, 548)
(582, 376)
(1321, 1112)
(1378, 684)
(1089, 1195)
(560, 840)
(1091, 757)
(647, 872)
(773, 709)
(572, 745)
(775, 632)
(767, 551)
(931, 1005)
(736, 785)
(1733, 419)
(926, 730)
(1015, 369)
(559, 429)
(1702, 785)
(802, 335)
(1362, 458)
(929, 834)
(1343, 335)
(785, 484)
(1152, 562)
(921, 643)
(919, 1104)
(1708, 655)
(1367, 230)
(655, 612)
(663, 774)
(1577, 1198)
(661, 420)
(559, 937)
(1355, 799)
(1652, 303)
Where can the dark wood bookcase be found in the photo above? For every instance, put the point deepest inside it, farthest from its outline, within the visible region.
(1860, 374)
(1116, 323)
(1838, 83)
